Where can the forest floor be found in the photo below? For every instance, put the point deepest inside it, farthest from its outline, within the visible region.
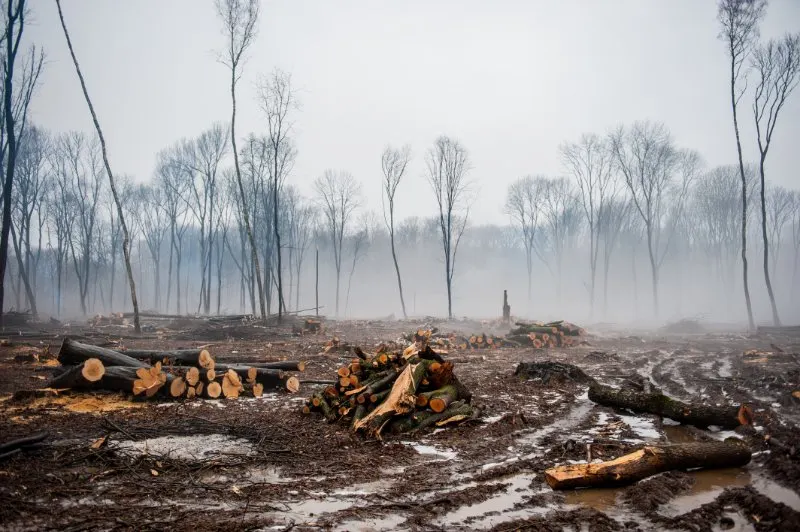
(260, 464)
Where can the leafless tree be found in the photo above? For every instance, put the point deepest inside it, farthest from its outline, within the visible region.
(153, 218)
(447, 165)
(560, 221)
(125, 238)
(339, 197)
(358, 247)
(301, 218)
(277, 99)
(795, 236)
(739, 20)
(613, 219)
(780, 204)
(656, 174)
(777, 66)
(590, 161)
(17, 89)
(28, 204)
(523, 204)
(240, 20)
(393, 164)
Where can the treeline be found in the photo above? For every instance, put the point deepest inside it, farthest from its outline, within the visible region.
(613, 234)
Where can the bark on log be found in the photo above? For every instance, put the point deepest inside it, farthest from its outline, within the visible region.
(176, 357)
(24, 442)
(115, 379)
(73, 353)
(649, 461)
(697, 414)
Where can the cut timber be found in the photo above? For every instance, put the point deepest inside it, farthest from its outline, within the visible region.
(178, 387)
(115, 379)
(700, 415)
(93, 370)
(443, 398)
(258, 389)
(177, 357)
(192, 376)
(552, 371)
(231, 384)
(649, 461)
(73, 353)
(292, 385)
(213, 390)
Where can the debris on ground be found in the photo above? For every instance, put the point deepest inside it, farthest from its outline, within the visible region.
(394, 392)
(552, 334)
(549, 372)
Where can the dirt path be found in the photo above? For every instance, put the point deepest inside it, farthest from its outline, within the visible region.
(260, 464)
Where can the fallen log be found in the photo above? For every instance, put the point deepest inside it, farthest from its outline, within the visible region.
(647, 462)
(147, 381)
(24, 442)
(73, 353)
(177, 357)
(697, 414)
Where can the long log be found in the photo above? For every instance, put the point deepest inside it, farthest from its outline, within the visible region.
(649, 461)
(115, 379)
(697, 414)
(74, 353)
(175, 357)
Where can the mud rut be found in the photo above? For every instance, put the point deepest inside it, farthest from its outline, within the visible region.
(260, 464)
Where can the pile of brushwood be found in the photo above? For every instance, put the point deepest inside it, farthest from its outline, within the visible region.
(395, 393)
(183, 373)
(553, 334)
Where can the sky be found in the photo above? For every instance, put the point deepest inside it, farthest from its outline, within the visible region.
(511, 80)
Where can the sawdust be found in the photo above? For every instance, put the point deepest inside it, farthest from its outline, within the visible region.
(79, 403)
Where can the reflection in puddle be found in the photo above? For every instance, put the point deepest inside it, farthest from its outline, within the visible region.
(707, 486)
(601, 499)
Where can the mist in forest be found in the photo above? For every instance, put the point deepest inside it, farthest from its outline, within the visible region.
(599, 198)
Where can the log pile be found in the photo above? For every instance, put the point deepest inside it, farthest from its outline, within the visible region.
(542, 335)
(455, 341)
(177, 374)
(394, 392)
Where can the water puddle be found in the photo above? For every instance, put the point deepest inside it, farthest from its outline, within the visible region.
(641, 426)
(724, 370)
(432, 450)
(601, 499)
(500, 505)
(200, 447)
(707, 487)
(575, 416)
(372, 524)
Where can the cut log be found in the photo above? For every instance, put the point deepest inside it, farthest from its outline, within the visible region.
(649, 461)
(190, 392)
(115, 379)
(231, 384)
(213, 390)
(73, 353)
(258, 389)
(442, 398)
(292, 385)
(178, 387)
(192, 376)
(176, 357)
(92, 370)
(700, 415)
(198, 389)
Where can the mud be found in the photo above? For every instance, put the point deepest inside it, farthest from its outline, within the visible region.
(260, 464)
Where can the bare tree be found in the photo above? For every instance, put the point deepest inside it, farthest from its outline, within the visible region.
(240, 18)
(358, 245)
(612, 221)
(172, 179)
(154, 221)
(656, 173)
(301, 221)
(523, 204)
(777, 65)
(590, 161)
(795, 236)
(393, 164)
(17, 89)
(739, 20)
(277, 98)
(560, 221)
(125, 238)
(339, 197)
(447, 165)
(780, 204)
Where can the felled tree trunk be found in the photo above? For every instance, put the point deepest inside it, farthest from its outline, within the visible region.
(700, 415)
(115, 379)
(649, 461)
(73, 353)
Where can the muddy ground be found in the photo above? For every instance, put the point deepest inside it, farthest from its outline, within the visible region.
(260, 464)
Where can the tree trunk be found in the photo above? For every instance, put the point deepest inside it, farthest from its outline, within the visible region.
(647, 462)
(700, 415)
(397, 266)
(126, 238)
(72, 353)
(775, 318)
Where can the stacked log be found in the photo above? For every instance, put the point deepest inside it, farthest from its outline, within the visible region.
(176, 374)
(394, 392)
(546, 335)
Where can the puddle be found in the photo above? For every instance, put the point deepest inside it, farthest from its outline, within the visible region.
(707, 487)
(198, 447)
(777, 492)
(366, 488)
(600, 499)
(500, 505)
(431, 450)
(266, 475)
(678, 434)
(375, 524)
(724, 370)
(314, 507)
(641, 426)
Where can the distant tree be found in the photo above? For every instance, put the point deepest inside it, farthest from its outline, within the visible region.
(358, 247)
(339, 196)
(277, 99)
(591, 162)
(780, 204)
(302, 218)
(17, 89)
(777, 66)
(657, 176)
(154, 221)
(240, 18)
(125, 238)
(795, 236)
(612, 221)
(523, 205)
(560, 221)
(739, 20)
(393, 164)
(447, 167)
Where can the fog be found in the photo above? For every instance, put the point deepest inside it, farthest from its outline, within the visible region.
(545, 109)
